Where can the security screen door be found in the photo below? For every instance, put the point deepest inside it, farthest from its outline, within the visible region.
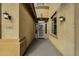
(41, 29)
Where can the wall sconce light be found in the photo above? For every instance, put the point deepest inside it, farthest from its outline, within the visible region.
(62, 19)
(6, 15)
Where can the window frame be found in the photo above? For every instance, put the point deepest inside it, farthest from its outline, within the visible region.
(54, 23)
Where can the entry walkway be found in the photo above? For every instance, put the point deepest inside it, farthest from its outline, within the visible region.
(42, 47)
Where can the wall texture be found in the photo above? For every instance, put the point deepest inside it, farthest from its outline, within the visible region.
(42, 11)
(10, 28)
(0, 21)
(18, 32)
(9, 42)
(77, 29)
(64, 42)
(26, 27)
(9, 47)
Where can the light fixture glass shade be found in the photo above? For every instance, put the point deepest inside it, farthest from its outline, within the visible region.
(5, 16)
(62, 18)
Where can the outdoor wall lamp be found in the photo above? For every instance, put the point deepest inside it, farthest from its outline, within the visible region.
(62, 19)
(6, 15)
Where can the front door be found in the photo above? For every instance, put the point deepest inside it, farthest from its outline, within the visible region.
(41, 29)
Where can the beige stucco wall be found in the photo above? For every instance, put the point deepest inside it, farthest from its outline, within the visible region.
(9, 47)
(42, 11)
(77, 29)
(0, 20)
(9, 42)
(26, 27)
(65, 31)
(21, 25)
(10, 29)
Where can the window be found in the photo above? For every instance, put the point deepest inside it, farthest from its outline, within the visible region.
(54, 24)
(40, 4)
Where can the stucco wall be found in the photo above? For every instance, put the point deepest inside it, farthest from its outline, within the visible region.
(42, 11)
(21, 25)
(9, 42)
(26, 27)
(9, 47)
(77, 29)
(10, 28)
(0, 20)
(65, 31)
